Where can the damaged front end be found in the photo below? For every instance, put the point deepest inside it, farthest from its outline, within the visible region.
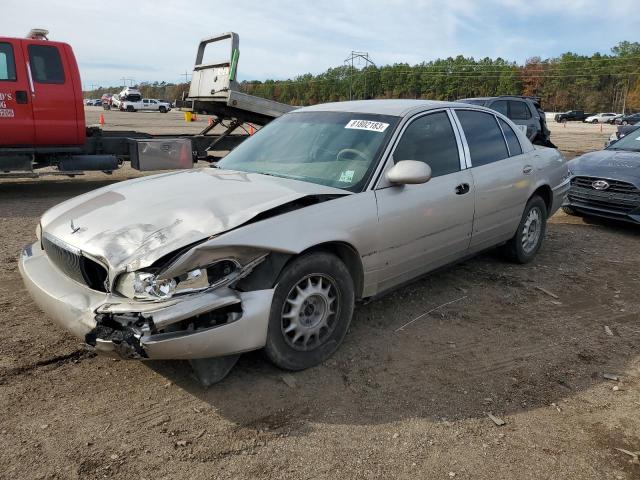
(196, 314)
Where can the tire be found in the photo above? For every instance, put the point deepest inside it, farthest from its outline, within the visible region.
(321, 320)
(520, 249)
(564, 120)
(130, 108)
(163, 109)
(595, 120)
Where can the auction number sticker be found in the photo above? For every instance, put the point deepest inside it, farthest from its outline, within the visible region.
(7, 113)
(367, 125)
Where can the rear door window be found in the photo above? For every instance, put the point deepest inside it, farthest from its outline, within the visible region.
(518, 110)
(46, 64)
(430, 139)
(7, 63)
(512, 140)
(484, 137)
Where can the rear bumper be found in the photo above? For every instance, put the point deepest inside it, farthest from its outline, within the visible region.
(81, 311)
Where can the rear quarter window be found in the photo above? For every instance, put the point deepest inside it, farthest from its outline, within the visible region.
(46, 64)
(484, 137)
(512, 139)
(7, 63)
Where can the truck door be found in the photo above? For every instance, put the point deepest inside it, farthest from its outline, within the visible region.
(52, 93)
(16, 114)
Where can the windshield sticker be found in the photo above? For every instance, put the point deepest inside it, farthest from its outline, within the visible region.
(367, 125)
(346, 176)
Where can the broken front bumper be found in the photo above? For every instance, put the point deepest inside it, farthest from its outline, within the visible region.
(173, 329)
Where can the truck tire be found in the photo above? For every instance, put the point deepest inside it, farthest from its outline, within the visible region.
(526, 242)
(163, 109)
(311, 311)
(564, 120)
(130, 108)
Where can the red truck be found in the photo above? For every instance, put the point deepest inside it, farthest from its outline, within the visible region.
(42, 121)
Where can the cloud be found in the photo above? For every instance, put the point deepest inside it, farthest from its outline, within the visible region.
(151, 40)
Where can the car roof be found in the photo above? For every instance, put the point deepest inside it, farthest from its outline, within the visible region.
(396, 107)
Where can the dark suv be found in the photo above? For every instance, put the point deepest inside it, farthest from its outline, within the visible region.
(628, 119)
(525, 112)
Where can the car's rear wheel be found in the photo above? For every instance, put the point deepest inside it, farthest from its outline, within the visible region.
(524, 245)
(311, 311)
(595, 120)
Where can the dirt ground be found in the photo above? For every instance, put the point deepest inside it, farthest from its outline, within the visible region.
(408, 403)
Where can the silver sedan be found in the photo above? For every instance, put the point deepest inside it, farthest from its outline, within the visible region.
(272, 248)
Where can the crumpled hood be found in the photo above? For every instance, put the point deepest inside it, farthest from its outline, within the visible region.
(613, 164)
(133, 223)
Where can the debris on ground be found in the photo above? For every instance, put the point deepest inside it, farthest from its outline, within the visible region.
(182, 443)
(289, 380)
(608, 331)
(547, 292)
(634, 455)
(610, 376)
(498, 421)
(430, 311)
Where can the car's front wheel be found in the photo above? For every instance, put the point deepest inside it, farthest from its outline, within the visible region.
(524, 245)
(311, 311)
(163, 109)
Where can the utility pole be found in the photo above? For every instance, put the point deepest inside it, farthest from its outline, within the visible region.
(125, 80)
(186, 76)
(358, 56)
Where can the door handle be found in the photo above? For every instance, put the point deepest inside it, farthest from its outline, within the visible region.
(527, 169)
(21, 97)
(462, 189)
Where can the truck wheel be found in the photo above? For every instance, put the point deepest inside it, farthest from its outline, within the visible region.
(524, 245)
(310, 312)
(130, 108)
(564, 120)
(163, 109)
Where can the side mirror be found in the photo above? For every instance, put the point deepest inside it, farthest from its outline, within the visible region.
(409, 172)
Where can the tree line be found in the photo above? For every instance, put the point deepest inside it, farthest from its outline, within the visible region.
(571, 81)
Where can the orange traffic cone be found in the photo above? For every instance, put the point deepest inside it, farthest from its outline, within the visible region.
(251, 130)
(101, 119)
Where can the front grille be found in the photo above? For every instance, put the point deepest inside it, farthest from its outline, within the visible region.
(74, 265)
(620, 197)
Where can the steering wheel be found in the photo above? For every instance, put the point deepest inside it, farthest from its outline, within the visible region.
(353, 151)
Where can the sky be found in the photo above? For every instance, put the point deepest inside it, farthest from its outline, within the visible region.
(148, 40)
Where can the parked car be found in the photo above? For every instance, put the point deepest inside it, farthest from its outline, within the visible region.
(620, 132)
(323, 207)
(146, 104)
(128, 94)
(106, 101)
(571, 116)
(628, 119)
(601, 118)
(525, 112)
(607, 183)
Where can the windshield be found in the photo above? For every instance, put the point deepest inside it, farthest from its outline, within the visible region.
(337, 149)
(630, 142)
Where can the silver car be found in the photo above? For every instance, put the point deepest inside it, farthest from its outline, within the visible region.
(272, 248)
